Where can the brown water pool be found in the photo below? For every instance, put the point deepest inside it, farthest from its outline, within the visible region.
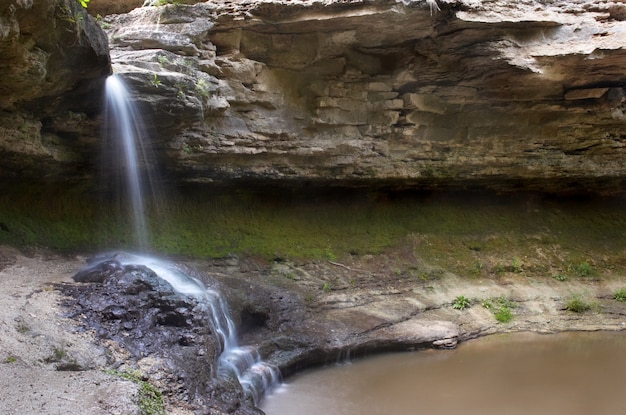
(569, 373)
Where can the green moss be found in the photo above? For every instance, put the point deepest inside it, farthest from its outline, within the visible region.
(481, 237)
(582, 269)
(149, 398)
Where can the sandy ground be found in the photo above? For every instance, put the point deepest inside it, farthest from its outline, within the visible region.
(47, 365)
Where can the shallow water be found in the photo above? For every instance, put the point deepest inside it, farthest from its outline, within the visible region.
(570, 373)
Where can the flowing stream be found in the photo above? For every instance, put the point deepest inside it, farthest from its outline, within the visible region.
(564, 374)
(130, 155)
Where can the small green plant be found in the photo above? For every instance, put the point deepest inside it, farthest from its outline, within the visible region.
(159, 3)
(516, 265)
(22, 328)
(430, 275)
(58, 354)
(84, 3)
(102, 23)
(577, 305)
(290, 275)
(187, 149)
(327, 287)
(560, 277)
(620, 295)
(500, 307)
(582, 269)
(150, 399)
(156, 82)
(500, 268)
(503, 315)
(187, 63)
(163, 60)
(10, 359)
(477, 268)
(461, 303)
(203, 88)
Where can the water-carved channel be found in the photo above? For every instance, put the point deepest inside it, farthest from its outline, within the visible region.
(569, 373)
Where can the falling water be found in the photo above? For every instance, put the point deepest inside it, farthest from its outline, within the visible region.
(255, 376)
(125, 128)
(126, 134)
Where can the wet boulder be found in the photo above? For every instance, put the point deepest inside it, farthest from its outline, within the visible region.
(157, 328)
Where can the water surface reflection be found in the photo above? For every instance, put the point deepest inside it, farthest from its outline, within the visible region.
(569, 373)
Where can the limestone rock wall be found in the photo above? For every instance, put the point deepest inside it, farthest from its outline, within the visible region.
(53, 60)
(397, 92)
(497, 93)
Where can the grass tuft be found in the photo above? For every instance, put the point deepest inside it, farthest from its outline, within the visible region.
(577, 305)
(620, 295)
(500, 307)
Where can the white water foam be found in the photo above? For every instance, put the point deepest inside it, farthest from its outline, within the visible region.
(255, 376)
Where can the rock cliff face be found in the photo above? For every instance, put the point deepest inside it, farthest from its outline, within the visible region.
(405, 93)
(54, 58)
(402, 93)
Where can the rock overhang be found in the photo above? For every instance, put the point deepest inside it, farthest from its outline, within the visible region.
(386, 91)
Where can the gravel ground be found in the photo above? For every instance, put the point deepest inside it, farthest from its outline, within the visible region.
(47, 365)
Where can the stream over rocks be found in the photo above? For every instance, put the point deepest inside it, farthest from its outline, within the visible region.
(294, 324)
(155, 307)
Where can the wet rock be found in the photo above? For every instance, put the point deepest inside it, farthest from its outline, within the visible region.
(296, 329)
(166, 333)
(101, 271)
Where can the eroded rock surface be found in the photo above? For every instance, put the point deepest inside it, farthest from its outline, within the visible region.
(54, 61)
(501, 94)
(494, 93)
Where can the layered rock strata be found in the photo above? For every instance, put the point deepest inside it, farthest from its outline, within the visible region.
(499, 94)
(404, 93)
(54, 59)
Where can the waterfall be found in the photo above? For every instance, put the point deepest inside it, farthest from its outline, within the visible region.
(130, 156)
(255, 376)
(127, 139)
